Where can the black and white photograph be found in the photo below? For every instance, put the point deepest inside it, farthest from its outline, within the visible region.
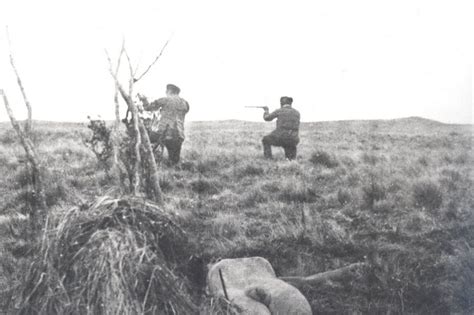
(262, 157)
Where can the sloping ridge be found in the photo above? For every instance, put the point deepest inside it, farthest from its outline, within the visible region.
(419, 121)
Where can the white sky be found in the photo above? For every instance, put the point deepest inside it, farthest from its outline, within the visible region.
(337, 59)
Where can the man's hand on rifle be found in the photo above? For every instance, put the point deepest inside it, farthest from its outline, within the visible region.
(265, 108)
(143, 100)
(141, 97)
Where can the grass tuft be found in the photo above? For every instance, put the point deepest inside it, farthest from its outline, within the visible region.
(343, 196)
(427, 194)
(323, 158)
(373, 192)
(298, 193)
(253, 198)
(250, 170)
(118, 256)
(205, 186)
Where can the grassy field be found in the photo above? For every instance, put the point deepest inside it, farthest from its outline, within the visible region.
(396, 194)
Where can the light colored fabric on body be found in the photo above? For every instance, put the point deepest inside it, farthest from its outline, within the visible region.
(253, 287)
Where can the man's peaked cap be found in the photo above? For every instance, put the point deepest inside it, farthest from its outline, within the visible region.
(173, 88)
(286, 100)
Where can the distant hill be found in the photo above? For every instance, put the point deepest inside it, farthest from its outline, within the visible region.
(406, 125)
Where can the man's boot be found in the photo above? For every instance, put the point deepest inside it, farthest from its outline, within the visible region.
(290, 152)
(267, 151)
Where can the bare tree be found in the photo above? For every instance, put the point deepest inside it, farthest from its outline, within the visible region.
(39, 201)
(20, 84)
(142, 139)
(116, 168)
(38, 205)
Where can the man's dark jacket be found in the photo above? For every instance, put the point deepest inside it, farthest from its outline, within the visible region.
(288, 122)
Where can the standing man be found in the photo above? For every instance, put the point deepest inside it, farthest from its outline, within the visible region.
(287, 127)
(169, 129)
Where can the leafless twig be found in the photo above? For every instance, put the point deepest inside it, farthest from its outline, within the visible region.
(141, 135)
(325, 276)
(20, 84)
(154, 61)
(31, 156)
(116, 169)
(131, 105)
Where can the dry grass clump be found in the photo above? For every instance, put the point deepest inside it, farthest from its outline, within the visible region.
(116, 257)
(299, 193)
(427, 194)
(205, 186)
(344, 196)
(250, 170)
(252, 198)
(323, 158)
(373, 192)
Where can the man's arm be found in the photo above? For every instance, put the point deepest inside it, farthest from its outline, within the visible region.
(155, 105)
(187, 106)
(267, 116)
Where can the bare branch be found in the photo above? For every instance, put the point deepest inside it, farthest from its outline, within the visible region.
(325, 276)
(135, 70)
(13, 120)
(133, 108)
(20, 84)
(136, 124)
(155, 179)
(116, 101)
(130, 69)
(115, 130)
(154, 61)
(141, 134)
(31, 157)
(121, 89)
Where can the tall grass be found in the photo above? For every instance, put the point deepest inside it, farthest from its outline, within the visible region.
(396, 197)
(117, 256)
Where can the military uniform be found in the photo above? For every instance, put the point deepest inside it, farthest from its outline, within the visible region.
(286, 133)
(169, 129)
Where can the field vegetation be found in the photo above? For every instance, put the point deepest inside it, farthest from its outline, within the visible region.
(395, 194)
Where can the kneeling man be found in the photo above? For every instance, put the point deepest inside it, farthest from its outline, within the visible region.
(287, 128)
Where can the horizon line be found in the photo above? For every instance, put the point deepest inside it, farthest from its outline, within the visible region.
(252, 121)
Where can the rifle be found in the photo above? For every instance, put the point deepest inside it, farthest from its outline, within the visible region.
(255, 106)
